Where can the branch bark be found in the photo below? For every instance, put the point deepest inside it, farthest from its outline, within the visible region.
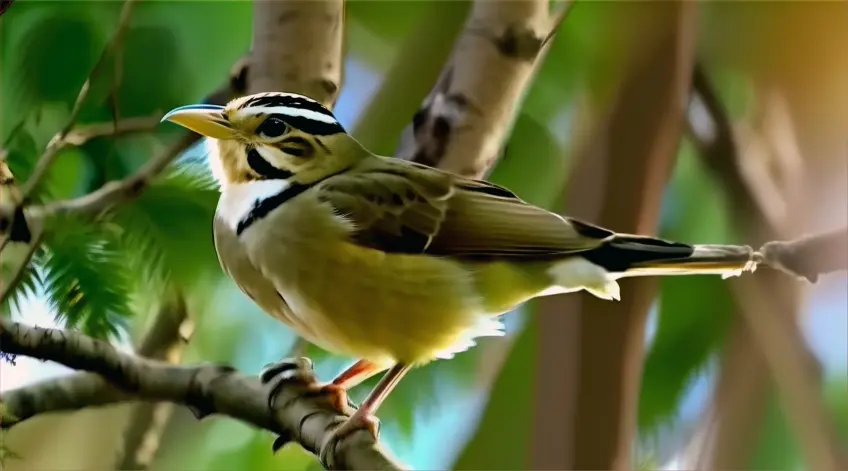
(211, 389)
(810, 256)
(585, 413)
(297, 47)
(464, 120)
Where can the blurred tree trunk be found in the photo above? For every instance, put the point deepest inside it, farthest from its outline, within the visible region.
(585, 415)
(813, 75)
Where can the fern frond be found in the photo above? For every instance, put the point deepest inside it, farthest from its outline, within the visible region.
(85, 278)
(29, 281)
(167, 231)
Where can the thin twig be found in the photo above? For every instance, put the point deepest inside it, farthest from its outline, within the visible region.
(7, 288)
(297, 414)
(56, 144)
(83, 134)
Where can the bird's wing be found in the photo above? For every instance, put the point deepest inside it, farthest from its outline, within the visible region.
(398, 207)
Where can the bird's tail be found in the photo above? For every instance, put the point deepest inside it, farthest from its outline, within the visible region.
(627, 255)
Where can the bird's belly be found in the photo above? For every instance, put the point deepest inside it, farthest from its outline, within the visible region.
(384, 307)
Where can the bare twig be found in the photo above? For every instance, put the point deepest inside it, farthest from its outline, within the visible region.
(80, 135)
(56, 144)
(810, 256)
(210, 389)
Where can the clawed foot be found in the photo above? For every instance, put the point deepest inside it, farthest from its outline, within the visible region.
(358, 421)
(296, 375)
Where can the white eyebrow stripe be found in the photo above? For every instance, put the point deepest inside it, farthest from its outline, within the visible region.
(295, 112)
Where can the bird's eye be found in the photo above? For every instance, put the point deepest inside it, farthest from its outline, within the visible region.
(272, 127)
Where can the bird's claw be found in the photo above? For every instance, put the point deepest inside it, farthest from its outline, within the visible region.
(297, 374)
(356, 422)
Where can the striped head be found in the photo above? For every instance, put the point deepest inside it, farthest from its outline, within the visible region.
(270, 136)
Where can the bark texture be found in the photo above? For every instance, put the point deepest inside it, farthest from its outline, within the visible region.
(297, 48)
(472, 106)
(207, 389)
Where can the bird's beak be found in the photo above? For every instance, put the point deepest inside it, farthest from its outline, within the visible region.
(206, 120)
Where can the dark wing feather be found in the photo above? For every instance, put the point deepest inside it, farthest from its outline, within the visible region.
(399, 208)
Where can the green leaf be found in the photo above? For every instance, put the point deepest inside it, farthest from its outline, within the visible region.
(689, 329)
(29, 281)
(168, 230)
(154, 78)
(85, 278)
(59, 52)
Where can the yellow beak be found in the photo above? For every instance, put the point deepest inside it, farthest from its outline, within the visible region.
(206, 120)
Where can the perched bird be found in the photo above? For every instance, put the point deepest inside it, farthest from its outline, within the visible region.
(392, 262)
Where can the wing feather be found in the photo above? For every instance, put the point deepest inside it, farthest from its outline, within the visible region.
(402, 208)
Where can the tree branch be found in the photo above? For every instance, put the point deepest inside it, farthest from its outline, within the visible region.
(57, 143)
(810, 256)
(585, 409)
(166, 341)
(464, 120)
(211, 389)
(778, 342)
(297, 47)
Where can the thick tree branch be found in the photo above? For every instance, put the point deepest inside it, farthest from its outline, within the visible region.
(297, 47)
(464, 120)
(810, 256)
(585, 414)
(211, 389)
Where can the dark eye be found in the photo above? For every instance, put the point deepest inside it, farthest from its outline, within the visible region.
(272, 127)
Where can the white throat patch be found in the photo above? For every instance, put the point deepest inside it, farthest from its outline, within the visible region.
(237, 200)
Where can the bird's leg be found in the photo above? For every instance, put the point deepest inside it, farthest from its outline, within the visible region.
(364, 416)
(299, 370)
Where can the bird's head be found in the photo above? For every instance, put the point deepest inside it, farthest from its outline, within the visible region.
(271, 136)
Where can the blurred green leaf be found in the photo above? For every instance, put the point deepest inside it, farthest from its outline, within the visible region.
(58, 54)
(503, 433)
(688, 331)
(154, 77)
(167, 231)
(85, 278)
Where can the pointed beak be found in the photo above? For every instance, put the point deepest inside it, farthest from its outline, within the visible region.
(206, 120)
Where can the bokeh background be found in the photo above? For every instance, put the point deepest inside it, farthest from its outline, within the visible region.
(778, 70)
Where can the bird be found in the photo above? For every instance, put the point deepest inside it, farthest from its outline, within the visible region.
(391, 262)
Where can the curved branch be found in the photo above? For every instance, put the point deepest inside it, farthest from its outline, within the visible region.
(210, 389)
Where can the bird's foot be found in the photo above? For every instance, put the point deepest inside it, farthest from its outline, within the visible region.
(360, 420)
(296, 375)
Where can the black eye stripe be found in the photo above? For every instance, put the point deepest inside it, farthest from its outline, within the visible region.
(264, 168)
(311, 126)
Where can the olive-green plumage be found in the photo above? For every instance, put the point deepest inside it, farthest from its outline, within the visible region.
(389, 261)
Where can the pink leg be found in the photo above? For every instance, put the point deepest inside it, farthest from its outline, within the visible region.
(357, 373)
(364, 416)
